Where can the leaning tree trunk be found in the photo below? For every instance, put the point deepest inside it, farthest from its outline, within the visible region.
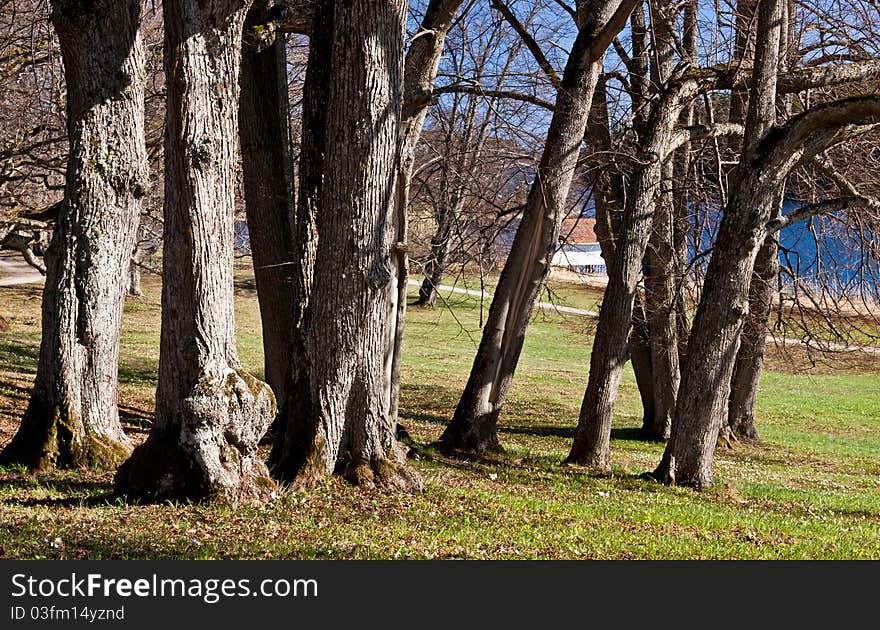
(210, 413)
(473, 426)
(345, 427)
(267, 170)
(750, 358)
(72, 418)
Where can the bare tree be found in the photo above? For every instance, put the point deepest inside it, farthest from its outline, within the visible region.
(474, 424)
(770, 155)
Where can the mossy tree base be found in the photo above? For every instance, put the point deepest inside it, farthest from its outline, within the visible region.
(382, 473)
(52, 437)
(208, 450)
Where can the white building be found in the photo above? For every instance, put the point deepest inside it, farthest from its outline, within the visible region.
(579, 247)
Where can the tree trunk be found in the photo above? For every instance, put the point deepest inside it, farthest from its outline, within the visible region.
(608, 190)
(441, 244)
(660, 257)
(210, 413)
(267, 165)
(715, 337)
(420, 72)
(134, 273)
(592, 442)
(72, 418)
(660, 302)
(750, 358)
(474, 425)
(346, 426)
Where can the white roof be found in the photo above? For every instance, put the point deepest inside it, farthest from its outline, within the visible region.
(569, 258)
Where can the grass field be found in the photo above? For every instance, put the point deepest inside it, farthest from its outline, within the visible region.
(811, 489)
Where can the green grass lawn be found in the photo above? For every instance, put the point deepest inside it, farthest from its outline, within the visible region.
(811, 489)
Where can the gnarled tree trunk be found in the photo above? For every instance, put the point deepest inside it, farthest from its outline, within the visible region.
(344, 425)
(210, 413)
(72, 418)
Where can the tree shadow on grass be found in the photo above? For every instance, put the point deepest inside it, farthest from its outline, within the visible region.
(74, 493)
(245, 286)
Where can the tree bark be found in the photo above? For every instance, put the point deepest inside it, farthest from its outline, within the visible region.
(72, 418)
(210, 413)
(592, 441)
(608, 191)
(267, 169)
(474, 425)
(660, 257)
(345, 425)
(715, 340)
(134, 272)
(750, 357)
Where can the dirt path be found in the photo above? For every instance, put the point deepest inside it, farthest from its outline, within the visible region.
(542, 305)
(817, 345)
(14, 270)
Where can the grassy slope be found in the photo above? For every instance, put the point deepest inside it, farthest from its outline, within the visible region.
(812, 489)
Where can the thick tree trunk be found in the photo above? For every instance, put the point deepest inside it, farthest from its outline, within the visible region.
(267, 165)
(210, 413)
(346, 427)
(474, 425)
(72, 418)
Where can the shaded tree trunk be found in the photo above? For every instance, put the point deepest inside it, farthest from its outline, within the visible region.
(660, 257)
(72, 418)
(267, 169)
(210, 413)
(608, 190)
(474, 424)
(344, 426)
